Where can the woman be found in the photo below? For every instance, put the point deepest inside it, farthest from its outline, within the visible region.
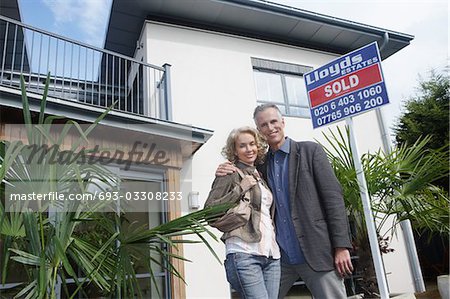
(253, 258)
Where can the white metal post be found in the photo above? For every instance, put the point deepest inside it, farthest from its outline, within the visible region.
(370, 224)
(419, 284)
(413, 258)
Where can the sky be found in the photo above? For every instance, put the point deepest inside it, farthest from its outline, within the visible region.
(427, 21)
(82, 20)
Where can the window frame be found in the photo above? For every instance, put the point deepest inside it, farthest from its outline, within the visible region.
(150, 174)
(154, 175)
(283, 70)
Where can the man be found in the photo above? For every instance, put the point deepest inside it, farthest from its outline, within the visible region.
(310, 218)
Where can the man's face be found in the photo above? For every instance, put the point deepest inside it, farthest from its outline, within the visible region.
(271, 125)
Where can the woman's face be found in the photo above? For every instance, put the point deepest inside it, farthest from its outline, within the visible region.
(246, 149)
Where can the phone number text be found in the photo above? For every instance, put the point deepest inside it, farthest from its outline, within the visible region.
(350, 104)
(138, 195)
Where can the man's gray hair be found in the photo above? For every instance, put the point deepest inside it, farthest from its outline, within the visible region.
(263, 107)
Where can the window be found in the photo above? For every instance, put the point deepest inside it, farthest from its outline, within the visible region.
(281, 84)
(150, 213)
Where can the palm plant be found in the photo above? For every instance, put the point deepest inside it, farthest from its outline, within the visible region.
(49, 240)
(400, 187)
(400, 183)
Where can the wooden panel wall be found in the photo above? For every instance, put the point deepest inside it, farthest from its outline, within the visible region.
(178, 286)
(141, 148)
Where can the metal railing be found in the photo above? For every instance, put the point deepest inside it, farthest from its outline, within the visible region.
(81, 73)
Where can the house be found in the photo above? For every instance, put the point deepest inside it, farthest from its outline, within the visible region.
(182, 74)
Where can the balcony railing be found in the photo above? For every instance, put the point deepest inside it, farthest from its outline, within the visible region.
(81, 73)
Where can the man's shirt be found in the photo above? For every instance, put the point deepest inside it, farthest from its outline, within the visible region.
(278, 177)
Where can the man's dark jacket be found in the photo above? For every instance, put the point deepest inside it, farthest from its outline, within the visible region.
(317, 206)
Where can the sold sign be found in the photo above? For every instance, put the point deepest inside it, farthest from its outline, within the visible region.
(348, 85)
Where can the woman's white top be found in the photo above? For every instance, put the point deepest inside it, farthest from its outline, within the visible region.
(268, 245)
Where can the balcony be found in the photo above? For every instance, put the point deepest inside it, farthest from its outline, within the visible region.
(80, 73)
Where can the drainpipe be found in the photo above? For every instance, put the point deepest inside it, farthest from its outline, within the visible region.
(419, 284)
(385, 136)
(413, 259)
(167, 92)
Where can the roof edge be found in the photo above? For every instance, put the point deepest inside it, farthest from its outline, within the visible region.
(302, 13)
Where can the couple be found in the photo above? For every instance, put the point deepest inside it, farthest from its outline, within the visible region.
(299, 224)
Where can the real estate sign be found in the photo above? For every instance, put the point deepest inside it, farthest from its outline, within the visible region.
(348, 85)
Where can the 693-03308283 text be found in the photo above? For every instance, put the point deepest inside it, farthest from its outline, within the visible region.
(97, 195)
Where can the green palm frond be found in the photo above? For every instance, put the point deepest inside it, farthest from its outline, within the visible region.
(400, 183)
(48, 245)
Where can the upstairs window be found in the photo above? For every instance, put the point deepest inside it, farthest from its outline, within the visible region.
(281, 84)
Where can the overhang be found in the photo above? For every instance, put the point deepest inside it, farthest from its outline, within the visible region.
(188, 138)
(10, 9)
(249, 18)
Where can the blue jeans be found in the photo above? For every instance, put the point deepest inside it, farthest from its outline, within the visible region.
(253, 276)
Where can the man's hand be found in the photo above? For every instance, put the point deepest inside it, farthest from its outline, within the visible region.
(225, 168)
(342, 261)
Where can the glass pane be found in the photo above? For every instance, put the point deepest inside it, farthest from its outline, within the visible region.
(296, 91)
(143, 197)
(16, 273)
(268, 87)
(143, 212)
(299, 111)
(282, 109)
(150, 290)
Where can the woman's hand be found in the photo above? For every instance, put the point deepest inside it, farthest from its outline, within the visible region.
(248, 182)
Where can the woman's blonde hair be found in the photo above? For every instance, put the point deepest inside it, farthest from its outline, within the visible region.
(229, 150)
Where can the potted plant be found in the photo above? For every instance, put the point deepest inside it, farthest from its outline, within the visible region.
(400, 184)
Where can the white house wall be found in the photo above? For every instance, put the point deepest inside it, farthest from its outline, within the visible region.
(213, 88)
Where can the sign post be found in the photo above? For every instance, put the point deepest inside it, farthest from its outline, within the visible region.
(370, 224)
(350, 85)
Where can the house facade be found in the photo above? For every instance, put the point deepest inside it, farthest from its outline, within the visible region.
(182, 75)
